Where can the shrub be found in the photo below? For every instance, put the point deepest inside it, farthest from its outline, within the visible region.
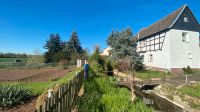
(12, 94)
(98, 68)
(108, 67)
(187, 70)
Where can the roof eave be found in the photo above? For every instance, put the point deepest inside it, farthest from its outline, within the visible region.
(153, 34)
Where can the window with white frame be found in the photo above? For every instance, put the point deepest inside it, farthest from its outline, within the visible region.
(190, 55)
(150, 57)
(185, 37)
(186, 20)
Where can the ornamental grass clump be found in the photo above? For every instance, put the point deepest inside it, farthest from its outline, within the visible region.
(12, 95)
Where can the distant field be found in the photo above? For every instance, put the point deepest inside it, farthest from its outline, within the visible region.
(13, 59)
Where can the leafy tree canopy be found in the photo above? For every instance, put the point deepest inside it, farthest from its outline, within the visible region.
(123, 47)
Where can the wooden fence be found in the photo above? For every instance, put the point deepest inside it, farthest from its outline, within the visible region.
(63, 99)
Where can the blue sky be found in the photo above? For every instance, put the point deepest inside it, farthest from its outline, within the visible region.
(26, 24)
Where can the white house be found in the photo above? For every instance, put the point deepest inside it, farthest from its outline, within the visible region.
(171, 43)
(106, 52)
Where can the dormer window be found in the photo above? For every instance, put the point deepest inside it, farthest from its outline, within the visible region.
(186, 20)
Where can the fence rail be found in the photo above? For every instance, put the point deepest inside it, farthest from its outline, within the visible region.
(64, 98)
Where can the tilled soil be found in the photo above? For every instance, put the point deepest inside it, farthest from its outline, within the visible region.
(32, 75)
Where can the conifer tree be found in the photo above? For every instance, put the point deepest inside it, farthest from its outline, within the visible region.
(53, 46)
(74, 46)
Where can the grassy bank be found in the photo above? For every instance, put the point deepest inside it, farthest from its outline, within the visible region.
(103, 95)
(191, 90)
(188, 94)
(145, 74)
(38, 88)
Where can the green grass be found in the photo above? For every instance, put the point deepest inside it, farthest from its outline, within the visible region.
(38, 88)
(193, 90)
(103, 95)
(144, 74)
(12, 59)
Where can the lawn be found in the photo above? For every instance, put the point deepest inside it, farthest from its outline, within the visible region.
(103, 95)
(13, 59)
(38, 88)
(193, 90)
(144, 74)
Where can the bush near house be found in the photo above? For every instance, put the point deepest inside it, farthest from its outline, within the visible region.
(187, 70)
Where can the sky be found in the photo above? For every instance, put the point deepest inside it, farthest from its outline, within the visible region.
(25, 25)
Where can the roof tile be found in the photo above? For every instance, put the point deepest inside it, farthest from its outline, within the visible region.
(161, 25)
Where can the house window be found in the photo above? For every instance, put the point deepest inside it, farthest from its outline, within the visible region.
(190, 55)
(150, 57)
(186, 20)
(185, 37)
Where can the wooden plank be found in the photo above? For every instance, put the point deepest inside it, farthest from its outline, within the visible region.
(63, 99)
(59, 101)
(48, 105)
(68, 100)
(56, 101)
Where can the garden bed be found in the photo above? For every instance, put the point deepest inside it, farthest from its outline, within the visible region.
(36, 88)
(32, 75)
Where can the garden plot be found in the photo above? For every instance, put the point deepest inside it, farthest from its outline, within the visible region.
(32, 75)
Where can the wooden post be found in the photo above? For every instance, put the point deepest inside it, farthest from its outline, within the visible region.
(149, 78)
(186, 78)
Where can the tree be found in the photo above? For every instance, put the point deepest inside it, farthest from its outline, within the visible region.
(85, 53)
(53, 45)
(124, 53)
(73, 47)
(95, 57)
(37, 58)
(95, 61)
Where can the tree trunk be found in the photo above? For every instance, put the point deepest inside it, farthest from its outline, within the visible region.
(132, 82)
(132, 91)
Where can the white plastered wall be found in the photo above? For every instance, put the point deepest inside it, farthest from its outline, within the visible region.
(161, 58)
(180, 50)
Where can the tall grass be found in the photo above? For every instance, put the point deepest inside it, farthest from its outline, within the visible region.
(193, 90)
(103, 95)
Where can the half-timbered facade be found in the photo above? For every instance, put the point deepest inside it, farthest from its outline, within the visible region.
(171, 43)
